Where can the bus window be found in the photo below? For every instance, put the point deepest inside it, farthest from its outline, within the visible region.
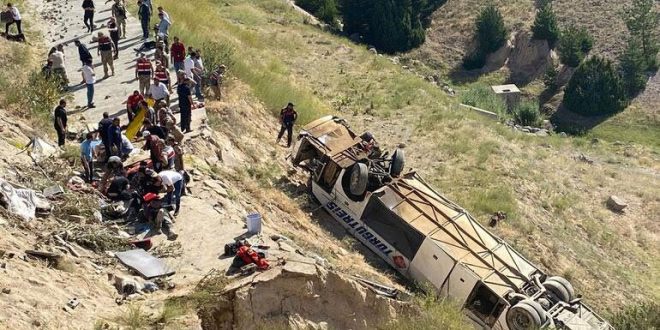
(485, 304)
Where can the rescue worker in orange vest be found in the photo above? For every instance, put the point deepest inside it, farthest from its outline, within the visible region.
(163, 75)
(144, 72)
(106, 51)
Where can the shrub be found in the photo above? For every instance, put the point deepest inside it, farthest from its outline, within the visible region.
(545, 25)
(632, 66)
(490, 29)
(550, 78)
(483, 97)
(642, 22)
(574, 44)
(325, 10)
(527, 114)
(474, 60)
(490, 34)
(389, 25)
(431, 313)
(595, 89)
(639, 316)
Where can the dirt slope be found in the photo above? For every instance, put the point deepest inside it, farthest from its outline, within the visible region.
(234, 171)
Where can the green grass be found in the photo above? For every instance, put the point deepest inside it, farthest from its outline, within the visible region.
(482, 96)
(133, 317)
(431, 312)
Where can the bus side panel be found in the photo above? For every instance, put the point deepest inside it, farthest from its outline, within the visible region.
(460, 283)
(431, 264)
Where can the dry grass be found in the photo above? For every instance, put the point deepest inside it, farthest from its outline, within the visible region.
(555, 202)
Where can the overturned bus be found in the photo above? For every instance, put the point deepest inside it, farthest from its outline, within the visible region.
(428, 238)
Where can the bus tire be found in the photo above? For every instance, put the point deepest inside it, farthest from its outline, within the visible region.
(525, 316)
(397, 163)
(359, 179)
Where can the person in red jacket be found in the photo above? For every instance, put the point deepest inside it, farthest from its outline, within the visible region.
(133, 104)
(178, 54)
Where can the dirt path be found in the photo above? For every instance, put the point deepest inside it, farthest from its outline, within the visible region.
(65, 24)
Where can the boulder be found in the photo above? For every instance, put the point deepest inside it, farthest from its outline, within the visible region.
(616, 204)
(529, 58)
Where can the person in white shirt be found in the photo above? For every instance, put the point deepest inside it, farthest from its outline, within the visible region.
(174, 184)
(89, 78)
(165, 14)
(189, 65)
(16, 17)
(59, 70)
(198, 73)
(159, 91)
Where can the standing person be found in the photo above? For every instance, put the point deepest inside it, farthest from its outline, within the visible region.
(163, 75)
(133, 104)
(114, 35)
(106, 51)
(163, 29)
(159, 56)
(88, 18)
(114, 137)
(16, 19)
(198, 74)
(288, 117)
(144, 72)
(59, 70)
(60, 122)
(89, 79)
(174, 185)
(159, 92)
(104, 125)
(216, 80)
(83, 52)
(87, 154)
(119, 13)
(185, 104)
(144, 13)
(165, 14)
(178, 54)
(189, 64)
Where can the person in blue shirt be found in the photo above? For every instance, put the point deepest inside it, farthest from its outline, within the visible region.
(114, 137)
(87, 154)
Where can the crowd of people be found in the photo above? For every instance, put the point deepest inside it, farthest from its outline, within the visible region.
(148, 108)
(149, 113)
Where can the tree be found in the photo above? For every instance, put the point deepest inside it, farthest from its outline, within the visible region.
(390, 25)
(632, 66)
(325, 10)
(595, 89)
(574, 44)
(490, 35)
(642, 22)
(545, 25)
(490, 30)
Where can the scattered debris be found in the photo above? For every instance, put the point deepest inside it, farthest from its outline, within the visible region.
(73, 303)
(125, 285)
(144, 263)
(53, 191)
(6, 290)
(496, 218)
(44, 254)
(616, 204)
(22, 202)
(378, 288)
(585, 158)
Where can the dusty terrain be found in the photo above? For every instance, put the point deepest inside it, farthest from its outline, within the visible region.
(234, 173)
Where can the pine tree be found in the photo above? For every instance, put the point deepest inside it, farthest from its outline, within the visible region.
(595, 89)
(632, 65)
(389, 25)
(574, 44)
(642, 22)
(545, 25)
(490, 30)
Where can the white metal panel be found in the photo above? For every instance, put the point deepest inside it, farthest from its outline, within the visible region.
(431, 264)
